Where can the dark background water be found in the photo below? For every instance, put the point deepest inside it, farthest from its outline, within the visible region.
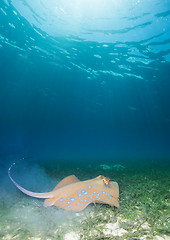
(85, 86)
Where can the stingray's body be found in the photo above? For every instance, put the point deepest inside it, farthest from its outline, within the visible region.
(73, 194)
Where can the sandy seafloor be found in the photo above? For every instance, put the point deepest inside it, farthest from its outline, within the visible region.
(144, 202)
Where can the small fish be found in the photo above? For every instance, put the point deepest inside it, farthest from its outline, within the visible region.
(73, 194)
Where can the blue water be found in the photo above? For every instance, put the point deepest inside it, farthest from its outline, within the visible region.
(85, 90)
(85, 79)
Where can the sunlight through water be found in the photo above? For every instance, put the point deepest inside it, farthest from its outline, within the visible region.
(85, 91)
(117, 50)
(95, 20)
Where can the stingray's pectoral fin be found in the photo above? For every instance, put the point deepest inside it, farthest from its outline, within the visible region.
(49, 202)
(116, 203)
(66, 181)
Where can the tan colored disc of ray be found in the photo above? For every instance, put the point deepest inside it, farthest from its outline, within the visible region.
(77, 196)
(71, 194)
(70, 197)
(109, 195)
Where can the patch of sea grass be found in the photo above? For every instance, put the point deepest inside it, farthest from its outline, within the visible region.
(144, 211)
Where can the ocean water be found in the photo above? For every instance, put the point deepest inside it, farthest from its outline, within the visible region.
(84, 86)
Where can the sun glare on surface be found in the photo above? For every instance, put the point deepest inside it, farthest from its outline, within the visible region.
(74, 17)
(89, 8)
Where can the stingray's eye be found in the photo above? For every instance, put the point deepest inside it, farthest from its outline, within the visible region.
(106, 181)
(101, 177)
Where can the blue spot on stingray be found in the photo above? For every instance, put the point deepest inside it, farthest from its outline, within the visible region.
(61, 199)
(98, 194)
(82, 204)
(78, 204)
(86, 193)
(72, 199)
(89, 186)
(110, 198)
(103, 192)
(68, 202)
(106, 195)
(68, 198)
(105, 200)
(69, 206)
(85, 200)
(80, 195)
(94, 192)
(80, 200)
(83, 191)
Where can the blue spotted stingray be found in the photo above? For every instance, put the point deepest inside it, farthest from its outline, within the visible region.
(73, 194)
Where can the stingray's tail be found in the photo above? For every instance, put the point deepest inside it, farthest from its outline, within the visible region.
(29, 193)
